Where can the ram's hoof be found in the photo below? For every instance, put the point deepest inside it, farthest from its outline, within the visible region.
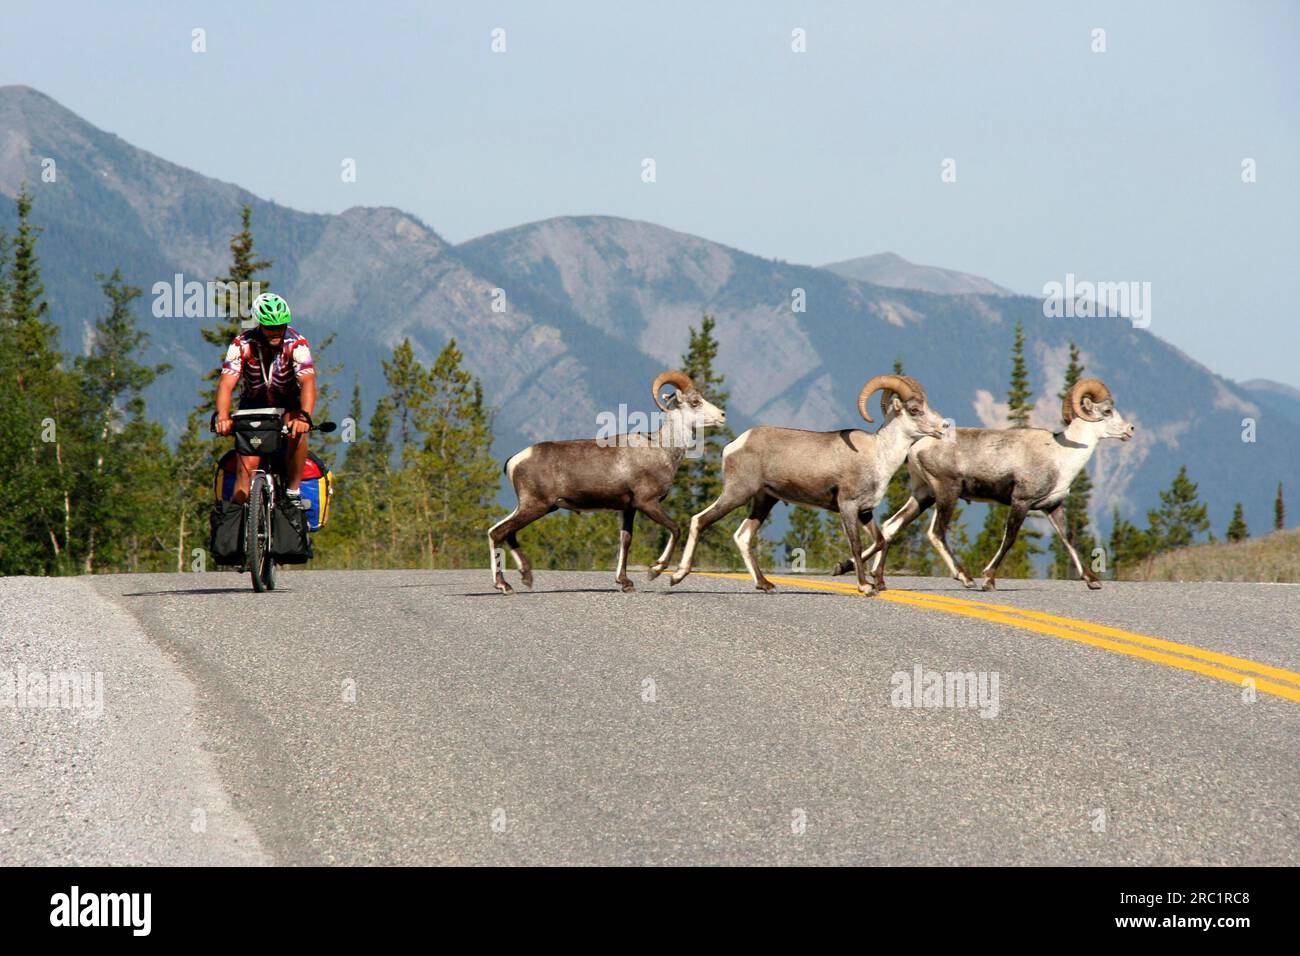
(867, 590)
(626, 586)
(677, 578)
(654, 572)
(526, 579)
(767, 587)
(504, 588)
(989, 585)
(1094, 584)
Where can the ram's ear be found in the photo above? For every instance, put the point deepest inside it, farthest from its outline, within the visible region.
(1087, 404)
(896, 404)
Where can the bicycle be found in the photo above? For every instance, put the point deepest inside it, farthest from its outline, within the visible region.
(256, 433)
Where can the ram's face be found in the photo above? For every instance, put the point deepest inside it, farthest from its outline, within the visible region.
(921, 419)
(699, 411)
(1107, 420)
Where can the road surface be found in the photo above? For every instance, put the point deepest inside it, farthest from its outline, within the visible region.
(420, 717)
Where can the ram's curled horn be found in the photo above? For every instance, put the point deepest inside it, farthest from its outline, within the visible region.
(887, 393)
(904, 387)
(679, 379)
(1072, 405)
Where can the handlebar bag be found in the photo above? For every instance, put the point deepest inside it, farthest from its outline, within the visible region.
(257, 434)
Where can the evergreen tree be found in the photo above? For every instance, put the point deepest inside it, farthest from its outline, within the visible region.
(1018, 562)
(817, 534)
(405, 377)
(1019, 405)
(699, 478)
(458, 475)
(198, 450)
(35, 414)
(1237, 530)
(1077, 499)
(1129, 544)
(231, 305)
(1180, 517)
(121, 462)
(1279, 510)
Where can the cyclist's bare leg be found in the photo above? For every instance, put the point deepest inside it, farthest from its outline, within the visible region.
(295, 457)
(244, 477)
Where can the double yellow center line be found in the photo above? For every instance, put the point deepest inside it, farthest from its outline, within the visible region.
(1235, 670)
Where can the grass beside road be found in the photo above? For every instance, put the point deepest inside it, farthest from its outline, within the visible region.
(1274, 557)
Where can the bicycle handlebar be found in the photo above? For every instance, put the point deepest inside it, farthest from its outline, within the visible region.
(284, 429)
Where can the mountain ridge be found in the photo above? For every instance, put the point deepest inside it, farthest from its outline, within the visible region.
(595, 306)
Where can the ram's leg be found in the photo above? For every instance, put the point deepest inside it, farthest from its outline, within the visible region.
(938, 535)
(881, 548)
(1057, 517)
(505, 530)
(624, 544)
(895, 523)
(521, 560)
(1015, 518)
(727, 502)
(851, 519)
(654, 510)
(759, 509)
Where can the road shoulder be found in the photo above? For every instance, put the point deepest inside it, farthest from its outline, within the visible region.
(120, 774)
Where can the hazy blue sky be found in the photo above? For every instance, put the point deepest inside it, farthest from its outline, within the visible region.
(1124, 165)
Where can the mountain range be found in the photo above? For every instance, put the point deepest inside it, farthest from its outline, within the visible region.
(589, 308)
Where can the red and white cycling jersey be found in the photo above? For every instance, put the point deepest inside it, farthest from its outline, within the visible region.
(268, 378)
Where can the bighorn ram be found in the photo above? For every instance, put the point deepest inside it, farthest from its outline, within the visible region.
(1027, 469)
(845, 471)
(627, 473)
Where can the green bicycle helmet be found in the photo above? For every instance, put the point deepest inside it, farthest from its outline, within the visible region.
(269, 309)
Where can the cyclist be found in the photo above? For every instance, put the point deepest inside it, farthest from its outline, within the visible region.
(272, 364)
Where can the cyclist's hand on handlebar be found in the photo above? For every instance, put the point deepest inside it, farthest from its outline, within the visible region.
(299, 425)
(224, 425)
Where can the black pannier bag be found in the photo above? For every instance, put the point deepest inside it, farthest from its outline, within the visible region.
(257, 431)
(290, 542)
(226, 544)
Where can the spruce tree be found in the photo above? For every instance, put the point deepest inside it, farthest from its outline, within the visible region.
(1019, 405)
(1129, 545)
(405, 377)
(812, 534)
(1180, 517)
(121, 462)
(457, 472)
(230, 304)
(1017, 563)
(198, 449)
(699, 478)
(1279, 510)
(35, 415)
(1077, 499)
(1237, 530)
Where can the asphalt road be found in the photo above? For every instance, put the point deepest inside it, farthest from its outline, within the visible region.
(420, 717)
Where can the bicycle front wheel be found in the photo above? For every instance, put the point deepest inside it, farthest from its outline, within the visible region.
(257, 532)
